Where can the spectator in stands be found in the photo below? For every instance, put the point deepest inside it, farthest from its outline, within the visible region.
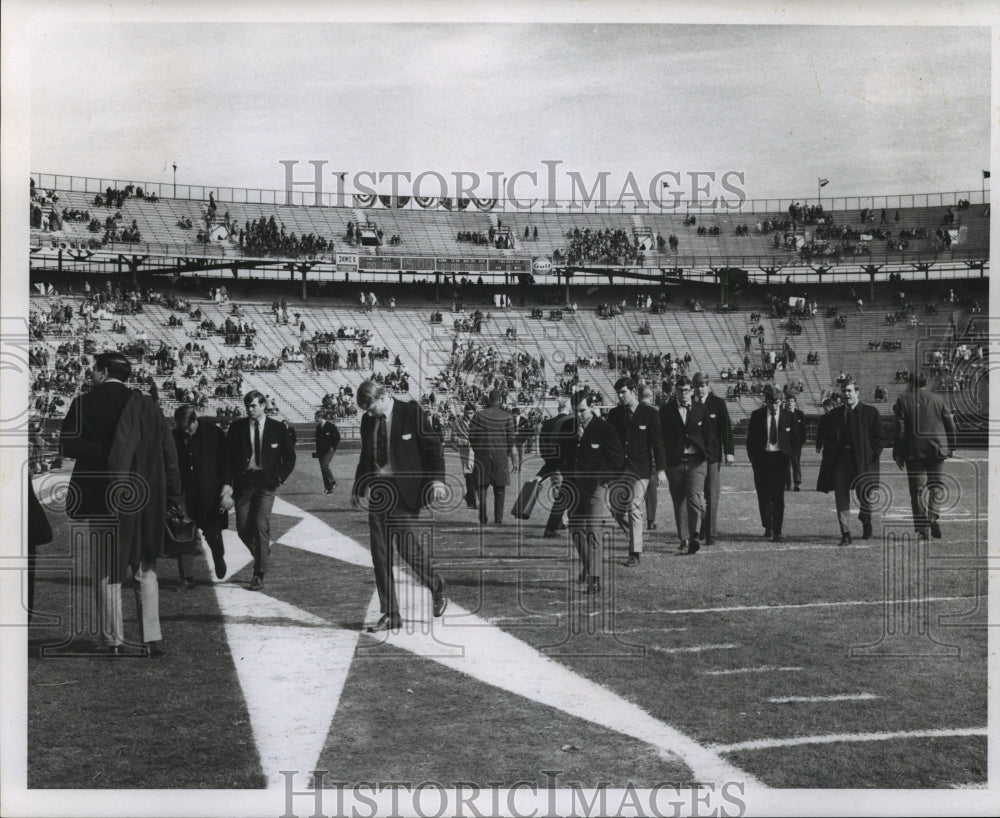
(491, 435)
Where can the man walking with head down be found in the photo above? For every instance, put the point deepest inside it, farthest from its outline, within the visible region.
(400, 472)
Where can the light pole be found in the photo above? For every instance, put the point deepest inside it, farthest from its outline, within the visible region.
(175, 180)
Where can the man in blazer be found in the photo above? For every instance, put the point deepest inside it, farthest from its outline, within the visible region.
(556, 442)
(597, 460)
(682, 423)
(794, 479)
(327, 441)
(260, 455)
(925, 435)
(492, 437)
(638, 429)
(771, 436)
(852, 445)
(201, 458)
(400, 472)
(718, 434)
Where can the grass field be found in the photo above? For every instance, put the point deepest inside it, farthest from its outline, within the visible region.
(791, 665)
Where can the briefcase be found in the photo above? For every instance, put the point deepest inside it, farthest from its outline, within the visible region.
(181, 535)
(526, 499)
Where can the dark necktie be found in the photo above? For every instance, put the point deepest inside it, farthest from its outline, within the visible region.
(772, 435)
(381, 443)
(256, 443)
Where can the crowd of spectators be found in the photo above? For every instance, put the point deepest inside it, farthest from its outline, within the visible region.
(264, 237)
(605, 246)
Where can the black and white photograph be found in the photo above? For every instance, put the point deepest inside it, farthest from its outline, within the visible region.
(564, 409)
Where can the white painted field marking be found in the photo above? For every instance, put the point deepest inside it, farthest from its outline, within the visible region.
(839, 697)
(468, 644)
(758, 669)
(846, 738)
(692, 648)
(794, 605)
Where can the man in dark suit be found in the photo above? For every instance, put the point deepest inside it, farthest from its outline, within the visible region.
(260, 455)
(794, 479)
(597, 460)
(118, 436)
(852, 445)
(327, 441)
(400, 472)
(771, 436)
(648, 397)
(556, 442)
(925, 435)
(492, 437)
(201, 458)
(682, 422)
(638, 429)
(718, 433)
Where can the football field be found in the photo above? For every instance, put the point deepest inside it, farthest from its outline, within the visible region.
(798, 664)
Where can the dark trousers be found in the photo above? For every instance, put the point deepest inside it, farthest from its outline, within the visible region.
(713, 486)
(324, 469)
(845, 478)
(470, 490)
(794, 469)
(254, 501)
(687, 484)
(926, 490)
(651, 490)
(769, 473)
(404, 531)
(498, 496)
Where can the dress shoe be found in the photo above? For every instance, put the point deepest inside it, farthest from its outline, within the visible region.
(796, 488)
(709, 540)
(693, 546)
(220, 566)
(583, 576)
(257, 583)
(633, 561)
(593, 585)
(921, 536)
(549, 533)
(768, 533)
(329, 490)
(188, 584)
(935, 530)
(440, 604)
(651, 527)
(563, 526)
(683, 547)
(845, 538)
(388, 622)
(777, 537)
(154, 650)
(866, 532)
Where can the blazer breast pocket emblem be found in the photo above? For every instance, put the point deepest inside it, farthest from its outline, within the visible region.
(595, 445)
(274, 445)
(643, 428)
(712, 416)
(406, 437)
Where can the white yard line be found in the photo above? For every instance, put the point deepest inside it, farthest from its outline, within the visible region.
(839, 697)
(846, 738)
(793, 606)
(758, 669)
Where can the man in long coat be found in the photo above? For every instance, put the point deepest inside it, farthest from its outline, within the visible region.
(852, 445)
(492, 437)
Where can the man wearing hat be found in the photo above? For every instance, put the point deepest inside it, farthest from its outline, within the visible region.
(771, 436)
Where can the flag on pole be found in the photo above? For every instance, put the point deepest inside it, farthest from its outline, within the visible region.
(824, 182)
(986, 174)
